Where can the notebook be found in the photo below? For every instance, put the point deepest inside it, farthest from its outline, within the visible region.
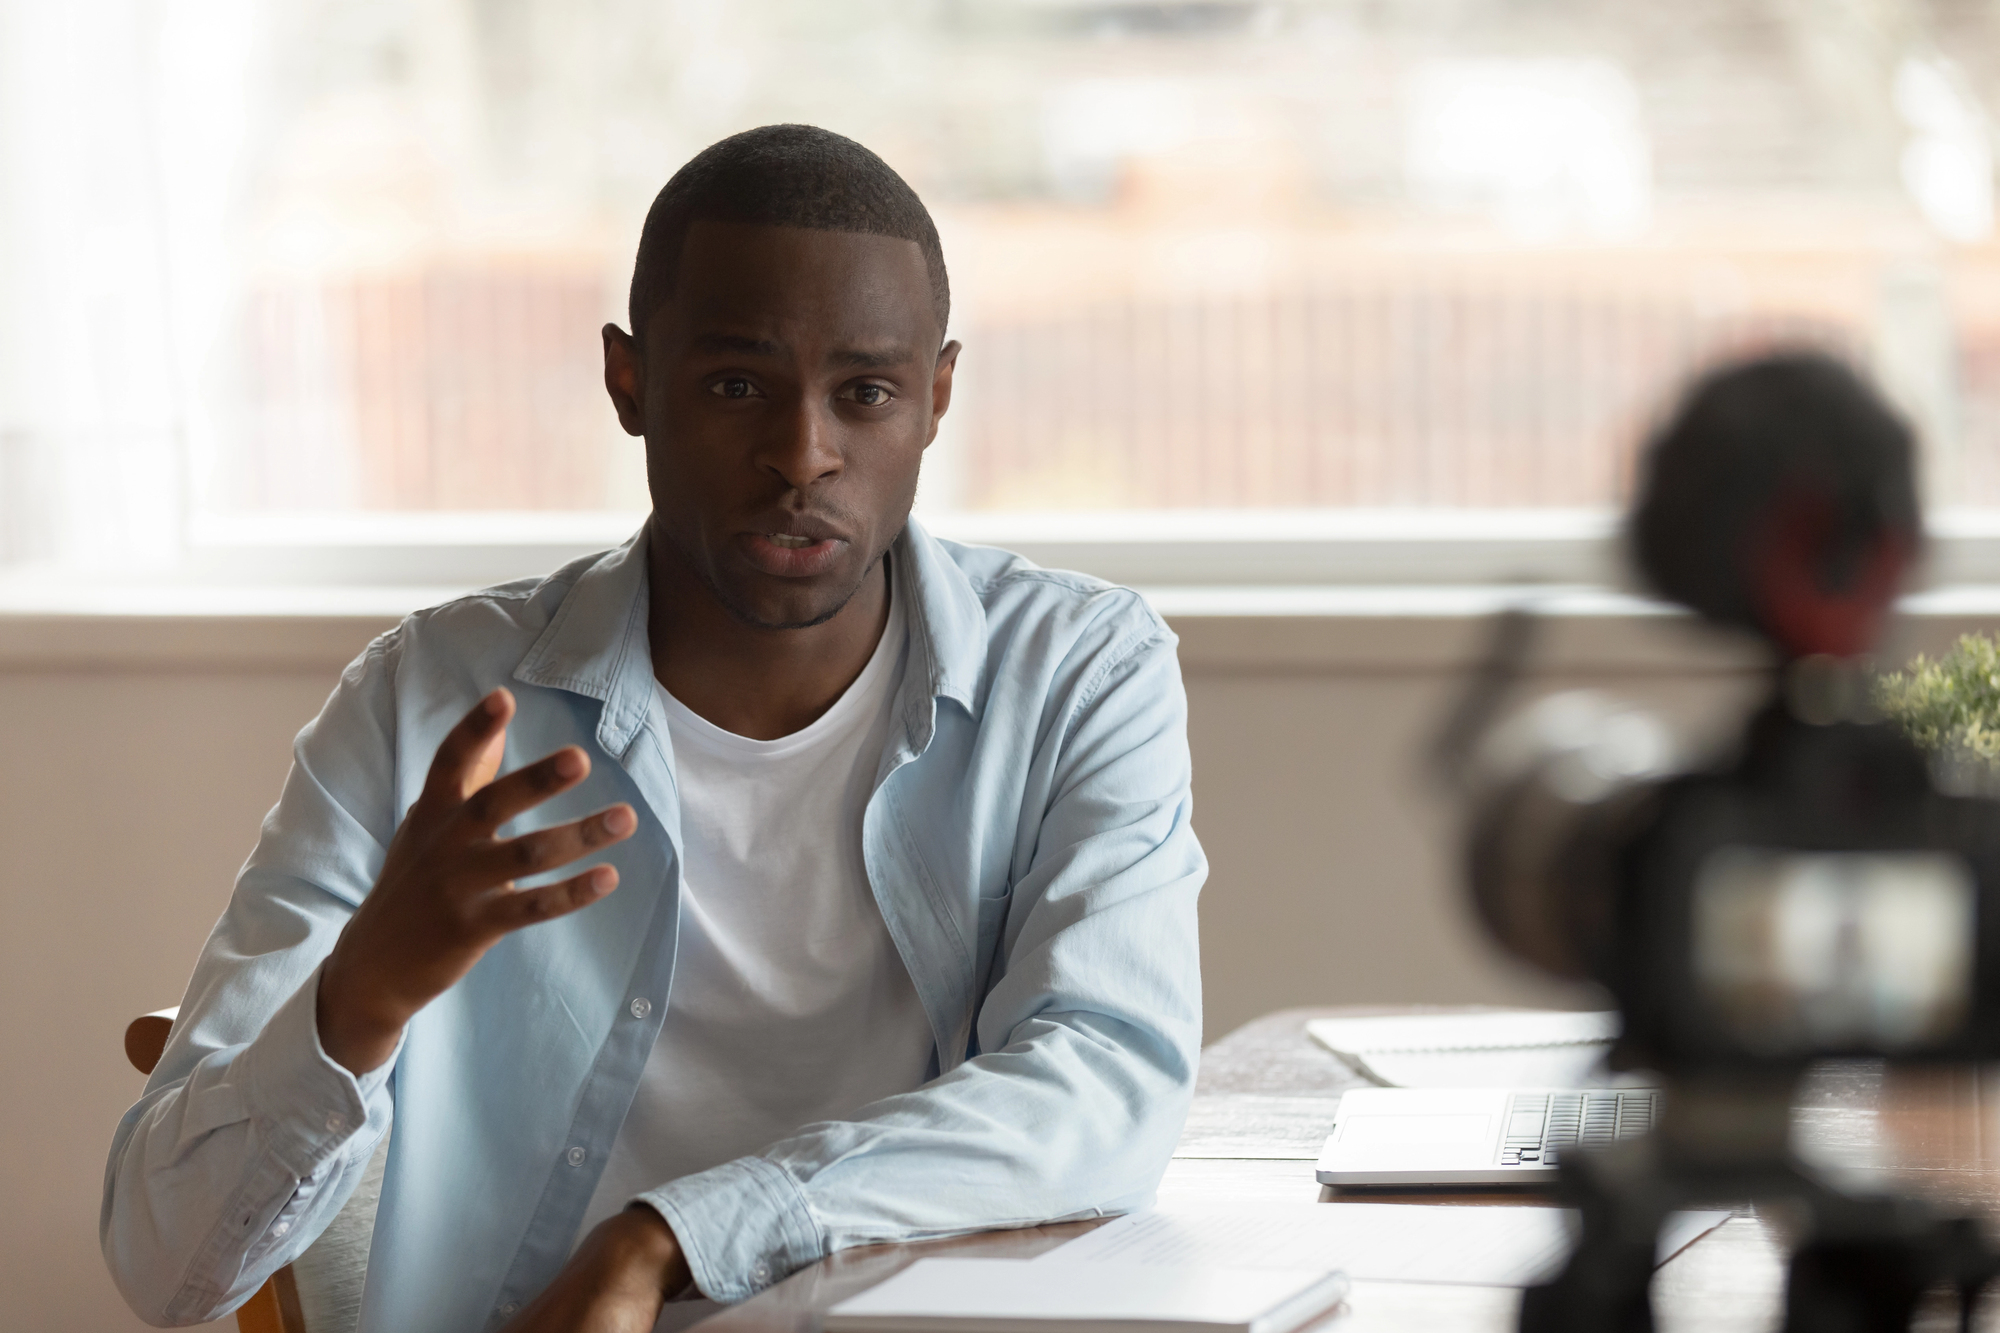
(1027, 1296)
(1532, 1048)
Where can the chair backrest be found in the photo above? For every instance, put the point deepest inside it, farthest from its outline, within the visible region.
(320, 1291)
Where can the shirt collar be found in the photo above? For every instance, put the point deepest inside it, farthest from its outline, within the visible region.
(596, 643)
(947, 619)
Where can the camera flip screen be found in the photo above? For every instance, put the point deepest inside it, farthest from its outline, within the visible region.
(1801, 952)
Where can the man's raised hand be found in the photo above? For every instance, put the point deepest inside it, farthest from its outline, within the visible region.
(446, 892)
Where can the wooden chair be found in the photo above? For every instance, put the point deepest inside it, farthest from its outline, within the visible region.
(320, 1291)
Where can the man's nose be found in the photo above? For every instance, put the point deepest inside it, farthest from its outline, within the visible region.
(805, 449)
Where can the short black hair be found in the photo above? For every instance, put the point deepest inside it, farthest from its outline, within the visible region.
(782, 176)
(1743, 435)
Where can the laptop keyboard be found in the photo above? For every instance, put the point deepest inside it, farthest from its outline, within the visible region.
(1541, 1125)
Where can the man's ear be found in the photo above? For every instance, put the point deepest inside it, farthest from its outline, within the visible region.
(947, 362)
(625, 379)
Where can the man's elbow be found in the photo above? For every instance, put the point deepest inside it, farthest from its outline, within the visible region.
(163, 1305)
(1145, 1087)
(153, 1282)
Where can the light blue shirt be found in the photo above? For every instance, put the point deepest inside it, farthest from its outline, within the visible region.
(1028, 842)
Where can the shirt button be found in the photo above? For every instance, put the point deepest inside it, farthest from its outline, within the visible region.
(281, 1228)
(335, 1123)
(575, 1156)
(762, 1272)
(510, 1307)
(641, 1007)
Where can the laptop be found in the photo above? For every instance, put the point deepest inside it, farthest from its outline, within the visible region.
(1404, 1137)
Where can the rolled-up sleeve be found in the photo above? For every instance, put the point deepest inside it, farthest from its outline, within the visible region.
(249, 1137)
(1088, 1036)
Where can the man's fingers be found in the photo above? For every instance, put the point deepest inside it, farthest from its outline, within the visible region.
(469, 746)
(526, 787)
(546, 849)
(486, 759)
(512, 909)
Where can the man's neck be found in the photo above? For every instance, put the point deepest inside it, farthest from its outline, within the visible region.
(759, 683)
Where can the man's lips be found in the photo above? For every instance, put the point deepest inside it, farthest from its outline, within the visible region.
(791, 555)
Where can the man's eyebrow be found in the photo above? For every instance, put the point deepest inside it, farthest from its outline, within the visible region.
(861, 358)
(864, 358)
(735, 342)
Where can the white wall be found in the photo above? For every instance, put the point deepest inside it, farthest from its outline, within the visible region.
(141, 756)
(128, 801)
(1332, 849)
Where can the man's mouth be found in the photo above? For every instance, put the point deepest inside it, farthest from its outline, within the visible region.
(792, 554)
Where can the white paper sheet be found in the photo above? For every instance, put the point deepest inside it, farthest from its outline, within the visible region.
(1023, 1293)
(1517, 1048)
(1483, 1245)
(1522, 1067)
(1474, 1031)
(1238, 1125)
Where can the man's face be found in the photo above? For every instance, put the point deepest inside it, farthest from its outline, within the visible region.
(787, 391)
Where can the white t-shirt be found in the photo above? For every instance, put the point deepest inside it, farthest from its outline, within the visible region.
(790, 1003)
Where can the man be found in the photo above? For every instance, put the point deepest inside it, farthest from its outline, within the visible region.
(903, 936)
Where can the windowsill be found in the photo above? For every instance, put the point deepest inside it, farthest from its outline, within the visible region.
(1159, 548)
(1153, 549)
(1233, 630)
(1278, 591)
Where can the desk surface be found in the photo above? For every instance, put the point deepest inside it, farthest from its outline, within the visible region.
(1265, 1100)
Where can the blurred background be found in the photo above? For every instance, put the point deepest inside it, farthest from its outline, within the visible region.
(268, 263)
(1332, 325)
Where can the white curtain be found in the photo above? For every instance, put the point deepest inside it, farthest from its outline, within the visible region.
(119, 125)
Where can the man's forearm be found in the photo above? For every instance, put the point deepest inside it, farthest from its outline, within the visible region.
(1066, 1123)
(220, 1178)
(359, 1035)
(624, 1271)
(647, 1251)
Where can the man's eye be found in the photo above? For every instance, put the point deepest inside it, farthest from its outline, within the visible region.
(870, 395)
(733, 387)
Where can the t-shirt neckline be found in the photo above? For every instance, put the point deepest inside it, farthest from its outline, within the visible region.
(853, 703)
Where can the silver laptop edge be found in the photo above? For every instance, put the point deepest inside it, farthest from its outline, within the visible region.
(1405, 1137)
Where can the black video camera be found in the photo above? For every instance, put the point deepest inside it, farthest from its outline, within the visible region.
(1811, 893)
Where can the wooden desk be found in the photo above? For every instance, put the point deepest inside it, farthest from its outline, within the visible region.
(1266, 1097)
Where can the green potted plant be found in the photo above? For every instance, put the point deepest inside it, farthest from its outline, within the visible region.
(1950, 707)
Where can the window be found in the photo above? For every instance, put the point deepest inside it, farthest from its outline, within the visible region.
(293, 268)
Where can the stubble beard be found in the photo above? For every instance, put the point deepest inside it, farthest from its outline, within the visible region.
(744, 614)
